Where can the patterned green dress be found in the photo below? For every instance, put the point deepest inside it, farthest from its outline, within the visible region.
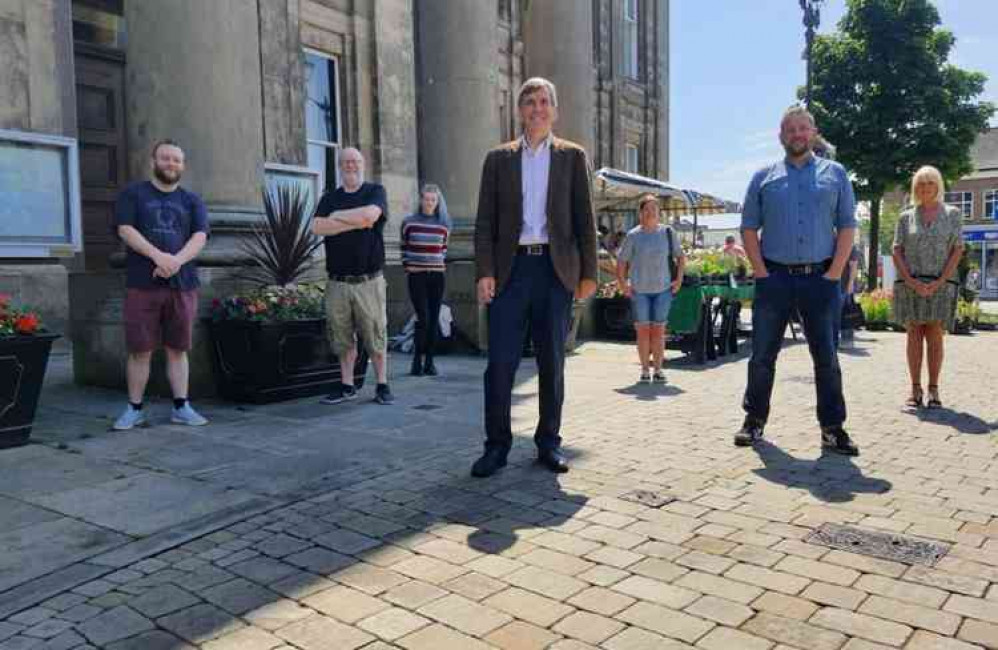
(926, 249)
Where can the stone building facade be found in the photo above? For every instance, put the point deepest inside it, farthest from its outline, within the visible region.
(262, 89)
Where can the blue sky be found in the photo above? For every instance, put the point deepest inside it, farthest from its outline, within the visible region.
(736, 65)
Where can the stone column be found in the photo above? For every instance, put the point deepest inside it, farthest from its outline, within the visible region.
(194, 76)
(663, 90)
(558, 41)
(458, 101)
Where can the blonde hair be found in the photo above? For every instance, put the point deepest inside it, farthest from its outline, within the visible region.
(797, 110)
(928, 174)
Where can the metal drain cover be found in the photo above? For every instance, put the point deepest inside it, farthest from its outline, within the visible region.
(427, 407)
(648, 498)
(883, 545)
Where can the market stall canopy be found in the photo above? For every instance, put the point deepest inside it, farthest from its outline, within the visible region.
(618, 190)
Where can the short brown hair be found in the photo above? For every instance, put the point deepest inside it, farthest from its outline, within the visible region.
(644, 200)
(797, 110)
(166, 142)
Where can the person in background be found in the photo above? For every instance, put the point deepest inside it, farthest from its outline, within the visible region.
(424, 251)
(731, 247)
(165, 227)
(645, 275)
(846, 335)
(928, 243)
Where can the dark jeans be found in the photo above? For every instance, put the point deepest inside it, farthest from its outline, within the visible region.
(426, 290)
(535, 292)
(819, 303)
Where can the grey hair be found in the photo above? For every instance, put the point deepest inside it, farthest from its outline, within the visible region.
(442, 213)
(533, 85)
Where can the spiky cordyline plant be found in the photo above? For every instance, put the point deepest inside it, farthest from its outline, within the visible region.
(281, 246)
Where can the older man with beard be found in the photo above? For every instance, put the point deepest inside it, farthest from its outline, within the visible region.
(165, 227)
(803, 206)
(352, 221)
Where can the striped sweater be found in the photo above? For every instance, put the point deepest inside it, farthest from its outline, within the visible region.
(424, 242)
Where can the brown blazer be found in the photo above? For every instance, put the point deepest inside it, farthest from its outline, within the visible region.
(570, 222)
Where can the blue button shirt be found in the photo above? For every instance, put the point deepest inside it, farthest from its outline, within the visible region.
(799, 210)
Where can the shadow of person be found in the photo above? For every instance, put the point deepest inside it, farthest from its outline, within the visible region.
(960, 420)
(649, 392)
(534, 498)
(853, 351)
(832, 477)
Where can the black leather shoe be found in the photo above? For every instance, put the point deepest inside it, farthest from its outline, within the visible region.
(836, 439)
(554, 460)
(490, 463)
(417, 366)
(429, 368)
(749, 434)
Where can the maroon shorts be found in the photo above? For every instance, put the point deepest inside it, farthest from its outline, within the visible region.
(155, 317)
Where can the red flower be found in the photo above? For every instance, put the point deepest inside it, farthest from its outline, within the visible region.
(26, 324)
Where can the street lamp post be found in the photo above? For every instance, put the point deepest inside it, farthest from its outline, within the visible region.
(812, 18)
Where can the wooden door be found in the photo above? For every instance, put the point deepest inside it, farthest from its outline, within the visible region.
(100, 114)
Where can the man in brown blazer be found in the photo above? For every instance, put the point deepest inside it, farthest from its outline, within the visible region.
(535, 247)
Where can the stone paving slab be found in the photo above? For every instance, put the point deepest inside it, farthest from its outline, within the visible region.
(399, 548)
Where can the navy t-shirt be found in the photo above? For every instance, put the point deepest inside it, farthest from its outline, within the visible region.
(167, 220)
(361, 251)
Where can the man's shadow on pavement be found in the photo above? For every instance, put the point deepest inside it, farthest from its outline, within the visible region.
(960, 420)
(649, 392)
(535, 497)
(832, 477)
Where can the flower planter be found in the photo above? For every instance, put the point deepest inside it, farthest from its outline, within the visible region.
(271, 361)
(23, 360)
(877, 326)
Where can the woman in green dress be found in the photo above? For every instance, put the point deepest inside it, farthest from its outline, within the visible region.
(927, 249)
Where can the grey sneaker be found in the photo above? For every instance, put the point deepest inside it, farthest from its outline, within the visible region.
(383, 395)
(645, 377)
(130, 419)
(188, 416)
(342, 393)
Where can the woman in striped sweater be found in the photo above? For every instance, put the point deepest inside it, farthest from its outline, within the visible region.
(424, 249)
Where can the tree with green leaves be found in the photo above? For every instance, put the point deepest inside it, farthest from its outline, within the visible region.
(886, 96)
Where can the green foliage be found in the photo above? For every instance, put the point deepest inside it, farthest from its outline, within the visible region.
(281, 248)
(876, 306)
(888, 223)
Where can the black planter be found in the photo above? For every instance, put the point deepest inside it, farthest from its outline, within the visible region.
(613, 319)
(263, 362)
(23, 360)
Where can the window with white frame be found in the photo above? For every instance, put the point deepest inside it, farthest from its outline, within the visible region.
(630, 39)
(322, 116)
(991, 204)
(632, 159)
(962, 200)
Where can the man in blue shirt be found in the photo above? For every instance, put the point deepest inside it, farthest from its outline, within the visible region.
(165, 227)
(798, 225)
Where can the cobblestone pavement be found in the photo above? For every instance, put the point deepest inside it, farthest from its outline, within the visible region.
(426, 558)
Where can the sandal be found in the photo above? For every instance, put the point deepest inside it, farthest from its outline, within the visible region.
(915, 401)
(934, 401)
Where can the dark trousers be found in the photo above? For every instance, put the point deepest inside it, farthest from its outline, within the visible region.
(533, 292)
(426, 290)
(819, 304)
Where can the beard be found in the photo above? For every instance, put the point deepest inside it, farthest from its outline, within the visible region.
(796, 149)
(164, 176)
(352, 179)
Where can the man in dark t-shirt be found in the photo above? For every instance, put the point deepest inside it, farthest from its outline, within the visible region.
(165, 227)
(352, 221)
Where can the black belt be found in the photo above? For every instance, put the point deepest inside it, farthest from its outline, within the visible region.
(932, 278)
(533, 249)
(355, 279)
(800, 269)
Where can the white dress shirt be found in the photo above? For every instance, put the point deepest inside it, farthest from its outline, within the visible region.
(536, 167)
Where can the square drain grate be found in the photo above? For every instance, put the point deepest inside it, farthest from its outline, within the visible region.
(879, 544)
(648, 498)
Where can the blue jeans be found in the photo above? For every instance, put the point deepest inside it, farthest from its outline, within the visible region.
(651, 308)
(535, 292)
(819, 303)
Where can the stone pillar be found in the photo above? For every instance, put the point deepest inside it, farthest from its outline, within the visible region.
(558, 41)
(194, 76)
(458, 101)
(662, 163)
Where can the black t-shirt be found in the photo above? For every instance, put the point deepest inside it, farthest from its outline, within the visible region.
(361, 251)
(167, 220)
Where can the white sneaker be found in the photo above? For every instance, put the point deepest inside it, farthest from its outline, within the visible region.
(645, 377)
(188, 416)
(658, 377)
(130, 419)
